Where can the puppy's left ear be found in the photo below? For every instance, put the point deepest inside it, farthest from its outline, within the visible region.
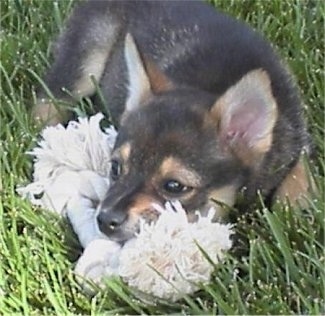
(246, 114)
(144, 77)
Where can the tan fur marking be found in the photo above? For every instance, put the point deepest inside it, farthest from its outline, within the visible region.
(93, 66)
(225, 195)
(123, 153)
(46, 112)
(125, 150)
(252, 156)
(175, 169)
(296, 185)
(103, 34)
(142, 203)
(158, 80)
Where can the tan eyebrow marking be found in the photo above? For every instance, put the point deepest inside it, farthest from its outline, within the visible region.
(174, 168)
(122, 154)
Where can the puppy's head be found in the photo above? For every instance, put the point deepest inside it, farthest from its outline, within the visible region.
(179, 143)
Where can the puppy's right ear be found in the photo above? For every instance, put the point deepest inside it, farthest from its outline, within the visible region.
(144, 77)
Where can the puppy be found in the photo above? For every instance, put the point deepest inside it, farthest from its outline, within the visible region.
(204, 107)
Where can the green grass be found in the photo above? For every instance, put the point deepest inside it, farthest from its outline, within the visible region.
(282, 271)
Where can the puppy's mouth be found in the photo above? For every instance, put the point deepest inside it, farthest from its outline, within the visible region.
(119, 234)
(121, 237)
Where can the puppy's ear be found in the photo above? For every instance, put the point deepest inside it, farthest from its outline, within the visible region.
(139, 85)
(246, 114)
(144, 77)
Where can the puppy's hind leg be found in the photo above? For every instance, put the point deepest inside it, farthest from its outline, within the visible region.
(81, 51)
(297, 186)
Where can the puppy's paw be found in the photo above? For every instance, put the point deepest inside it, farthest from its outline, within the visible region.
(99, 260)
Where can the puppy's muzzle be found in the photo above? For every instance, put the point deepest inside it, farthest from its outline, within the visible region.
(119, 213)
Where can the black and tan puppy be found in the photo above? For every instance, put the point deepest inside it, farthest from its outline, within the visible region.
(204, 107)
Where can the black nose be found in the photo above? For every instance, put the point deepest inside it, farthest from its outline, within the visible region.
(110, 221)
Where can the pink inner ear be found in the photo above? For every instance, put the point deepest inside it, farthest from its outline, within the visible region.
(247, 113)
(247, 122)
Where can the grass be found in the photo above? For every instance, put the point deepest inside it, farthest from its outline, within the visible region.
(282, 271)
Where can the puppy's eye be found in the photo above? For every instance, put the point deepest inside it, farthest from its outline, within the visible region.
(175, 187)
(116, 169)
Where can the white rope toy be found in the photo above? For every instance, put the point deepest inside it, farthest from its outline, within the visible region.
(71, 167)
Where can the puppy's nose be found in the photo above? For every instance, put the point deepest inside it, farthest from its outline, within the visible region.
(110, 221)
